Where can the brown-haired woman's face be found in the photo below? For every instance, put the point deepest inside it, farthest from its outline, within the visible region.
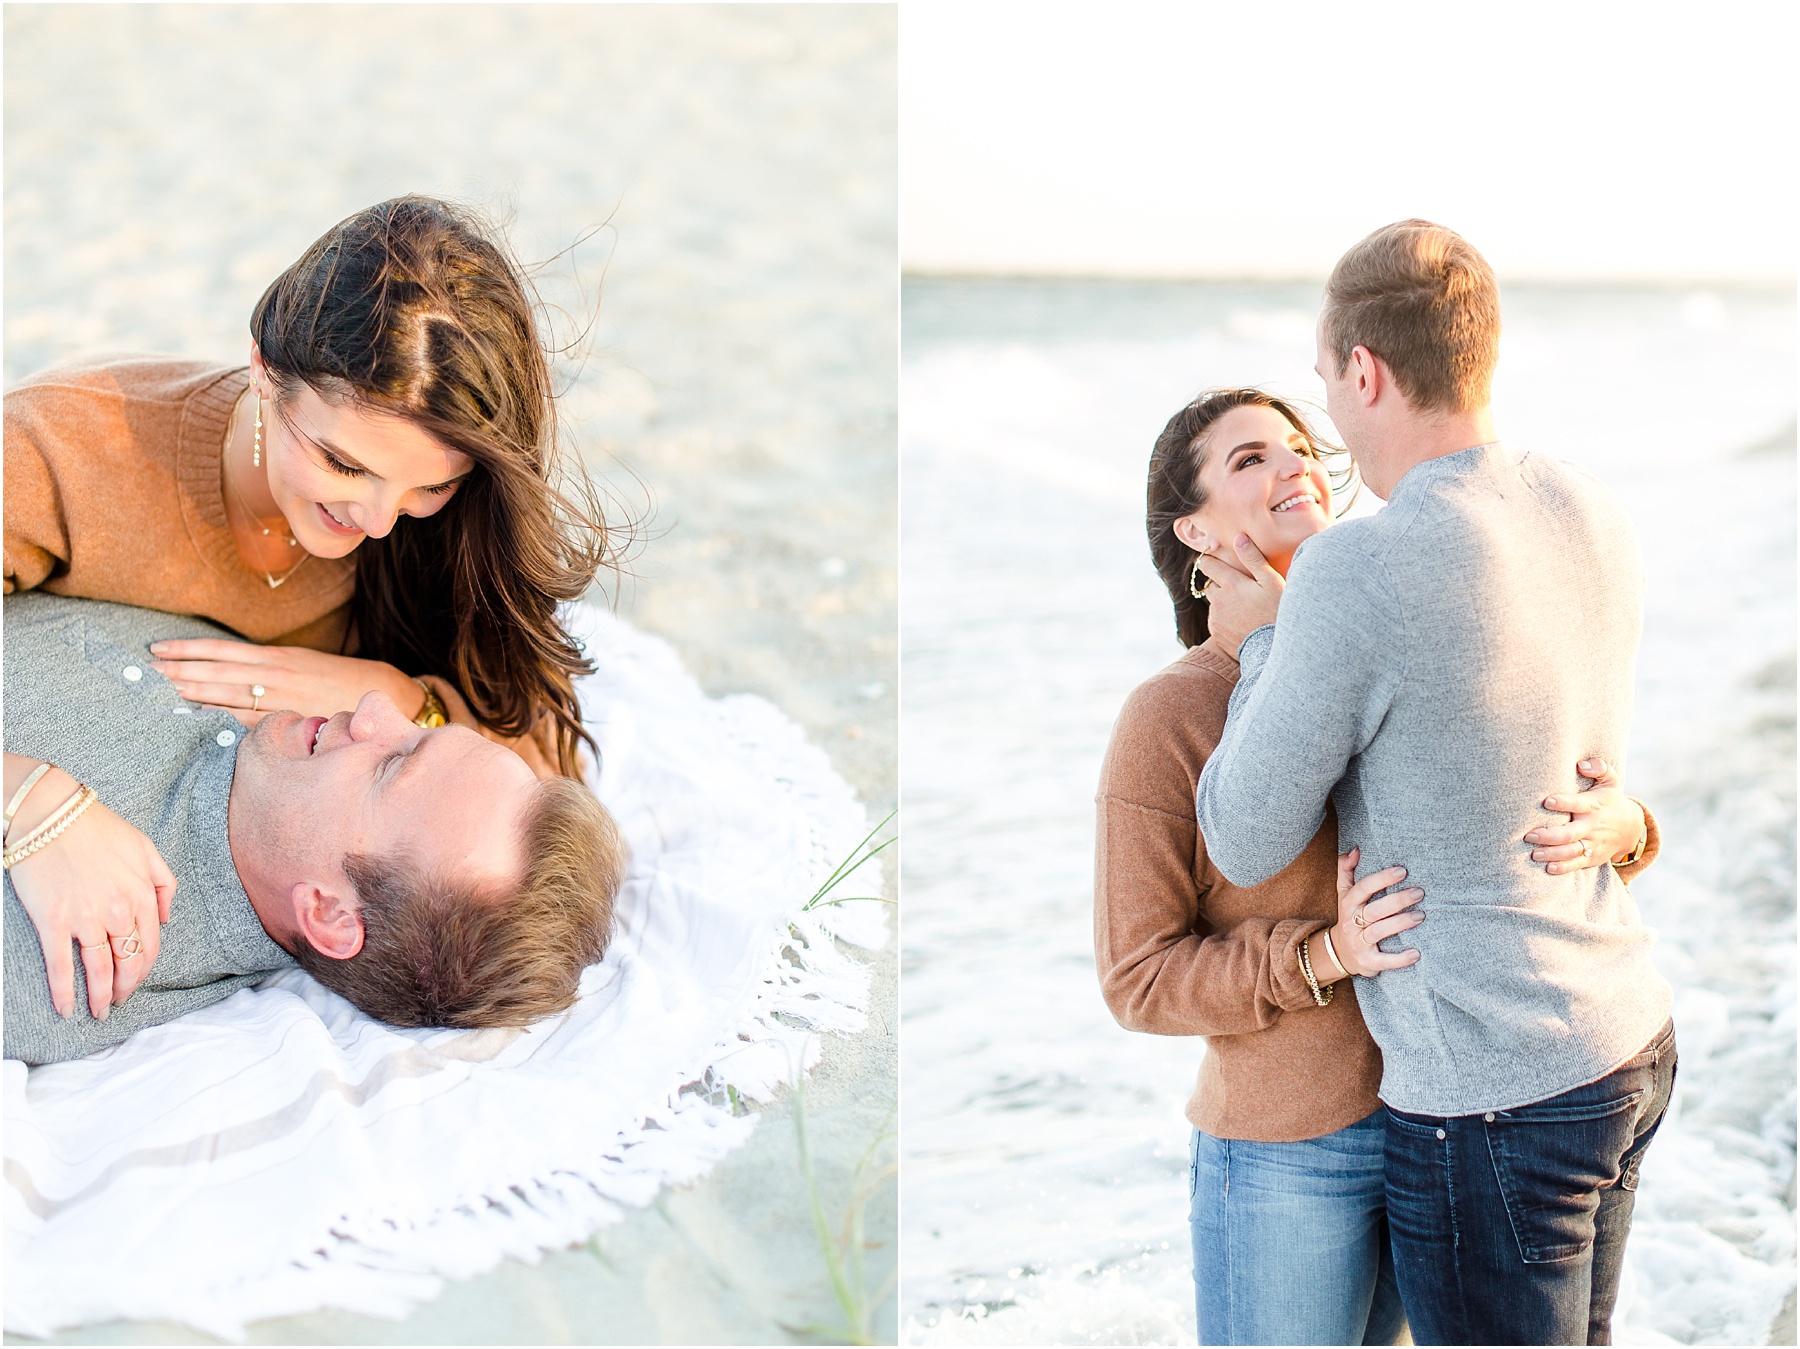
(1261, 477)
(341, 473)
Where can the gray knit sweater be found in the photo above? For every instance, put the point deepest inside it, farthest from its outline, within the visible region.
(1437, 669)
(80, 693)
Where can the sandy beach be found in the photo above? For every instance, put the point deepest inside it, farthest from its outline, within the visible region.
(732, 171)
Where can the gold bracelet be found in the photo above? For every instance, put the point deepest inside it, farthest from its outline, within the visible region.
(1331, 951)
(18, 797)
(48, 832)
(1637, 853)
(1321, 996)
(434, 713)
(68, 803)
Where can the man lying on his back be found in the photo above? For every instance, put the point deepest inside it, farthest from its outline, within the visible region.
(426, 875)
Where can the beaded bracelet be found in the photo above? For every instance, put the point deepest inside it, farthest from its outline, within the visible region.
(48, 832)
(1321, 996)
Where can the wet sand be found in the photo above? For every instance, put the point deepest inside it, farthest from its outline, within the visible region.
(736, 393)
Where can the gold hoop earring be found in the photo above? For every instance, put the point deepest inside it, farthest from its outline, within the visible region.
(1197, 586)
(256, 447)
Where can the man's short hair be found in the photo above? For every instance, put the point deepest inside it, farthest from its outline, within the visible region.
(1420, 297)
(440, 951)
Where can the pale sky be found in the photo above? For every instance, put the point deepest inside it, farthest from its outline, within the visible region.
(1572, 140)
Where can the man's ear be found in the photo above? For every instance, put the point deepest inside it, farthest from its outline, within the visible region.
(328, 920)
(1368, 375)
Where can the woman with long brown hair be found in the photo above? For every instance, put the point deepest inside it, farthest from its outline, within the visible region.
(376, 503)
(1287, 1212)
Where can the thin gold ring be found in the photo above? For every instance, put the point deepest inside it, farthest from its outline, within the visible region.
(1358, 917)
(129, 946)
(256, 694)
(94, 945)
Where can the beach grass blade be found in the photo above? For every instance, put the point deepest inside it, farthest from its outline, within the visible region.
(861, 854)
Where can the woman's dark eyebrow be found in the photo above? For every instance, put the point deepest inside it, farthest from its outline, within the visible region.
(1263, 444)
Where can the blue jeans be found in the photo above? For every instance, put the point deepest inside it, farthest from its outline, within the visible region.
(1509, 1227)
(1290, 1240)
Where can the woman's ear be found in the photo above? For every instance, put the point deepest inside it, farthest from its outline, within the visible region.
(1188, 530)
(329, 922)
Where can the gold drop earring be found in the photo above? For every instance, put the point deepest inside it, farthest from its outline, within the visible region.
(256, 447)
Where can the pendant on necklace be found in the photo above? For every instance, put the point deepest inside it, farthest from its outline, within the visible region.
(276, 582)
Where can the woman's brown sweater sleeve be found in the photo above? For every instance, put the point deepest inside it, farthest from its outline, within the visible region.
(1163, 967)
(37, 536)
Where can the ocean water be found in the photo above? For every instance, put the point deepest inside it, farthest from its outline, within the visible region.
(1045, 1148)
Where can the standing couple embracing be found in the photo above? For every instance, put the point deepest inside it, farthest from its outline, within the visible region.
(1438, 707)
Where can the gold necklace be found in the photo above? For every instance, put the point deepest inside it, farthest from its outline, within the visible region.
(275, 582)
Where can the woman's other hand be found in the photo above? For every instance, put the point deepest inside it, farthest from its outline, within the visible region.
(222, 673)
(1241, 596)
(1604, 824)
(1364, 922)
(96, 885)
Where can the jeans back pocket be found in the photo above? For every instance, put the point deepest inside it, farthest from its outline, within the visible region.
(1551, 1162)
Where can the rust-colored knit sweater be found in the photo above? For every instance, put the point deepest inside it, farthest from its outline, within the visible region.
(1183, 951)
(113, 492)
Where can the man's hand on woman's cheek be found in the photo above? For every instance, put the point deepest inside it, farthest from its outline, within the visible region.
(1242, 594)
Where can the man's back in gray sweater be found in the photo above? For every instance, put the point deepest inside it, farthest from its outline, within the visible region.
(1436, 673)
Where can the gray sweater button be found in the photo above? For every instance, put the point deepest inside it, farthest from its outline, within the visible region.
(226, 738)
(132, 673)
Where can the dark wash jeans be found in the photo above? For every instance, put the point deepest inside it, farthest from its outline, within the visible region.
(1509, 1227)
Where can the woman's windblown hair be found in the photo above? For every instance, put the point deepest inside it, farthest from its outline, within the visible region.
(410, 308)
(1175, 491)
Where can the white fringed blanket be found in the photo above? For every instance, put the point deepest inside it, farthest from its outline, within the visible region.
(281, 1152)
